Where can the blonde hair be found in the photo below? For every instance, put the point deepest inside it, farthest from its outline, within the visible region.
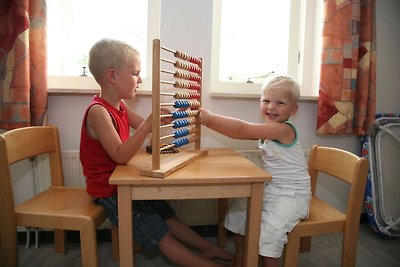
(108, 53)
(282, 82)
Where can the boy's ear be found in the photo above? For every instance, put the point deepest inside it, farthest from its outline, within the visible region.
(294, 110)
(110, 75)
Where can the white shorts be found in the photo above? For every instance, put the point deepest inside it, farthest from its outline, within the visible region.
(280, 213)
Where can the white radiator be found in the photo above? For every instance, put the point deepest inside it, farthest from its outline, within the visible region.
(192, 212)
(73, 174)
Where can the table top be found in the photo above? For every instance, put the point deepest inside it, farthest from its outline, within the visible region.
(218, 166)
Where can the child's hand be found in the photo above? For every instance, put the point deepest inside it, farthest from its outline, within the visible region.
(166, 120)
(204, 115)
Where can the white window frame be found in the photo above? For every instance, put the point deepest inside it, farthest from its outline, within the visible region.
(79, 85)
(304, 52)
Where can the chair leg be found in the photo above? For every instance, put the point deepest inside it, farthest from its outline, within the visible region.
(89, 245)
(59, 241)
(349, 250)
(291, 251)
(8, 248)
(222, 209)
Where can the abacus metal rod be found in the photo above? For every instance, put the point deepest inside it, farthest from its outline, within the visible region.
(190, 131)
(167, 82)
(173, 145)
(167, 125)
(168, 71)
(166, 93)
(166, 136)
(166, 147)
(167, 49)
(167, 60)
(166, 115)
(167, 104)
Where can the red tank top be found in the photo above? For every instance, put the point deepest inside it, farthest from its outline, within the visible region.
(97, 164)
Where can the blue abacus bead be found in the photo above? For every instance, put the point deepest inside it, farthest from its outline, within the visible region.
(181, 133)
(181, 104)
(179, 114)
(181, 142)
(180, 123)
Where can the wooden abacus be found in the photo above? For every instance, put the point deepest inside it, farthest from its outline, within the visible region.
(188, 98)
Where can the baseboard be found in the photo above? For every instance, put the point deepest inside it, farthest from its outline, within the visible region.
(46, 237)
(103, 235)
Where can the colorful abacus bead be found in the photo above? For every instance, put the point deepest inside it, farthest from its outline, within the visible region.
(182, 95)
(181, 133)
(187, 76)
(187, 57)
(180, 142)
(187, 85)
(186, 104)
(188, 67)
(184, 114)
(194, 104)
(182, 123)
(179, 114)
(181, 104)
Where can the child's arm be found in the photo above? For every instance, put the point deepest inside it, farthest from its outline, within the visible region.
(135, 119)
(240, 129)
(100, 125)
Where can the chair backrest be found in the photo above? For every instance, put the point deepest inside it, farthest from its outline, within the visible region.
(345, 166)
(24, 143)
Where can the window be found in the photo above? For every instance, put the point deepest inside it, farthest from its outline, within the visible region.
(255, 38)
(74, 26)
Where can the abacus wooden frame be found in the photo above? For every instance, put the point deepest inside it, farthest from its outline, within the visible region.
(169, 163)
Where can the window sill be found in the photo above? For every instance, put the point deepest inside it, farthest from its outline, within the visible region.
(254, 96)
(247, 91)
(65, 85)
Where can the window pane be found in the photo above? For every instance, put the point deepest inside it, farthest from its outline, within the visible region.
(254, 38)
(75, 25)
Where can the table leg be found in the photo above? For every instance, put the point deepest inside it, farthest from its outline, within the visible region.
(125, 226)
(254, 206)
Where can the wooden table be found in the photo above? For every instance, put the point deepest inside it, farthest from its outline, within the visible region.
(222, 173)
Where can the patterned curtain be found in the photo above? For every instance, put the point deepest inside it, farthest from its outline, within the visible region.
(23, 82)
(347, 92)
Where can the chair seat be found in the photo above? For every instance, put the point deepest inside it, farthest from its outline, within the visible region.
(323, 218)
(60, 208)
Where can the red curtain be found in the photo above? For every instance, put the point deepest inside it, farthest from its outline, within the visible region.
(23, 81)
(347, 92)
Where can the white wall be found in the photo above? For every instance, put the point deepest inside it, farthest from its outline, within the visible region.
(186, 25)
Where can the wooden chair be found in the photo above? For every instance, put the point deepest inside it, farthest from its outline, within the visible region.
(324, 218)
(59, 207)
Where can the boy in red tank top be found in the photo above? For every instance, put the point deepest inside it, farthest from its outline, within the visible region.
(106, 142)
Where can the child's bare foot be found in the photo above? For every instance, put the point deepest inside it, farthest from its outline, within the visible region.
(217, 253)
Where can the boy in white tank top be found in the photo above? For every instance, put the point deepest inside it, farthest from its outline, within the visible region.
(287, 197)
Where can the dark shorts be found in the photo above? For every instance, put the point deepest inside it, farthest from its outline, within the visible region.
(149, 219)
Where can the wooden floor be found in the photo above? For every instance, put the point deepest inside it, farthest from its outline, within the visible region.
(373, 251)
